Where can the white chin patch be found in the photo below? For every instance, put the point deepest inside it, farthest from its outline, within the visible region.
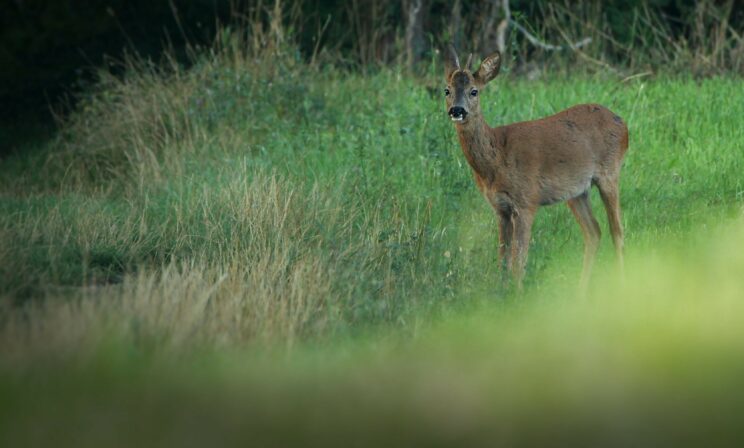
(456, 118)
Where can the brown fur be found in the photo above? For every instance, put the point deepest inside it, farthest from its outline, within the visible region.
(522, 166)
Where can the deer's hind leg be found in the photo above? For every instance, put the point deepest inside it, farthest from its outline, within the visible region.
(610, 193)
(582, 210)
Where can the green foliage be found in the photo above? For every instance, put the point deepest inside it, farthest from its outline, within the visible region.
(188, 222)
(158, 159)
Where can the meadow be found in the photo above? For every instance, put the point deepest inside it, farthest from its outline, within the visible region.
(260, 251)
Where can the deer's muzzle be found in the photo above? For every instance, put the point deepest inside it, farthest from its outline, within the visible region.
(457, 113)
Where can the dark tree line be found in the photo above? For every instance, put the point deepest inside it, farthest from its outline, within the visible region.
(47, 46)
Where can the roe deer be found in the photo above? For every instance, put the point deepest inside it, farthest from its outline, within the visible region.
(522, 166)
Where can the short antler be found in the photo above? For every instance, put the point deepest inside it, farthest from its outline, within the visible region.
(470, 60)
(453, 56)
(451, 62)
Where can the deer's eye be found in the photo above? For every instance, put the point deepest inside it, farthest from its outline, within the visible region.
(474, 92)
(446, 92)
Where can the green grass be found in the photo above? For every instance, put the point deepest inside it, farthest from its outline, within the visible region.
(262, 253)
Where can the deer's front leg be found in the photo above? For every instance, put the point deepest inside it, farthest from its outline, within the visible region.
(504, 212)
(506, 228)
(522, 228)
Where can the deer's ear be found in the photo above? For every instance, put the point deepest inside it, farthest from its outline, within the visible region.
(489, 68)
(451, 61)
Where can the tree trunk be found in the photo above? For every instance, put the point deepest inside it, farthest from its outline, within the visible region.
(415, 42)
(456, 25)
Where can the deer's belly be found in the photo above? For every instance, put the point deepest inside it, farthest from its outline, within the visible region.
(554, 193)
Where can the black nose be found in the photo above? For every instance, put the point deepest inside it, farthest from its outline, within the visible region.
(457, 112)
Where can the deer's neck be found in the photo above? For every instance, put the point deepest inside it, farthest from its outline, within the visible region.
(480, 146)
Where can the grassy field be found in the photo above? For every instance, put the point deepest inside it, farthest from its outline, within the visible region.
(268, 253)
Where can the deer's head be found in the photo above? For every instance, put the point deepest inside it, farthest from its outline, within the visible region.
(462, 91)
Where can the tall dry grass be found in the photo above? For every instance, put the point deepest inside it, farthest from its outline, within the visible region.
(251, 259)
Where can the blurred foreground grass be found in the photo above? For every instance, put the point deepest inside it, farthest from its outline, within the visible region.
(264, 254)
(654, 361)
